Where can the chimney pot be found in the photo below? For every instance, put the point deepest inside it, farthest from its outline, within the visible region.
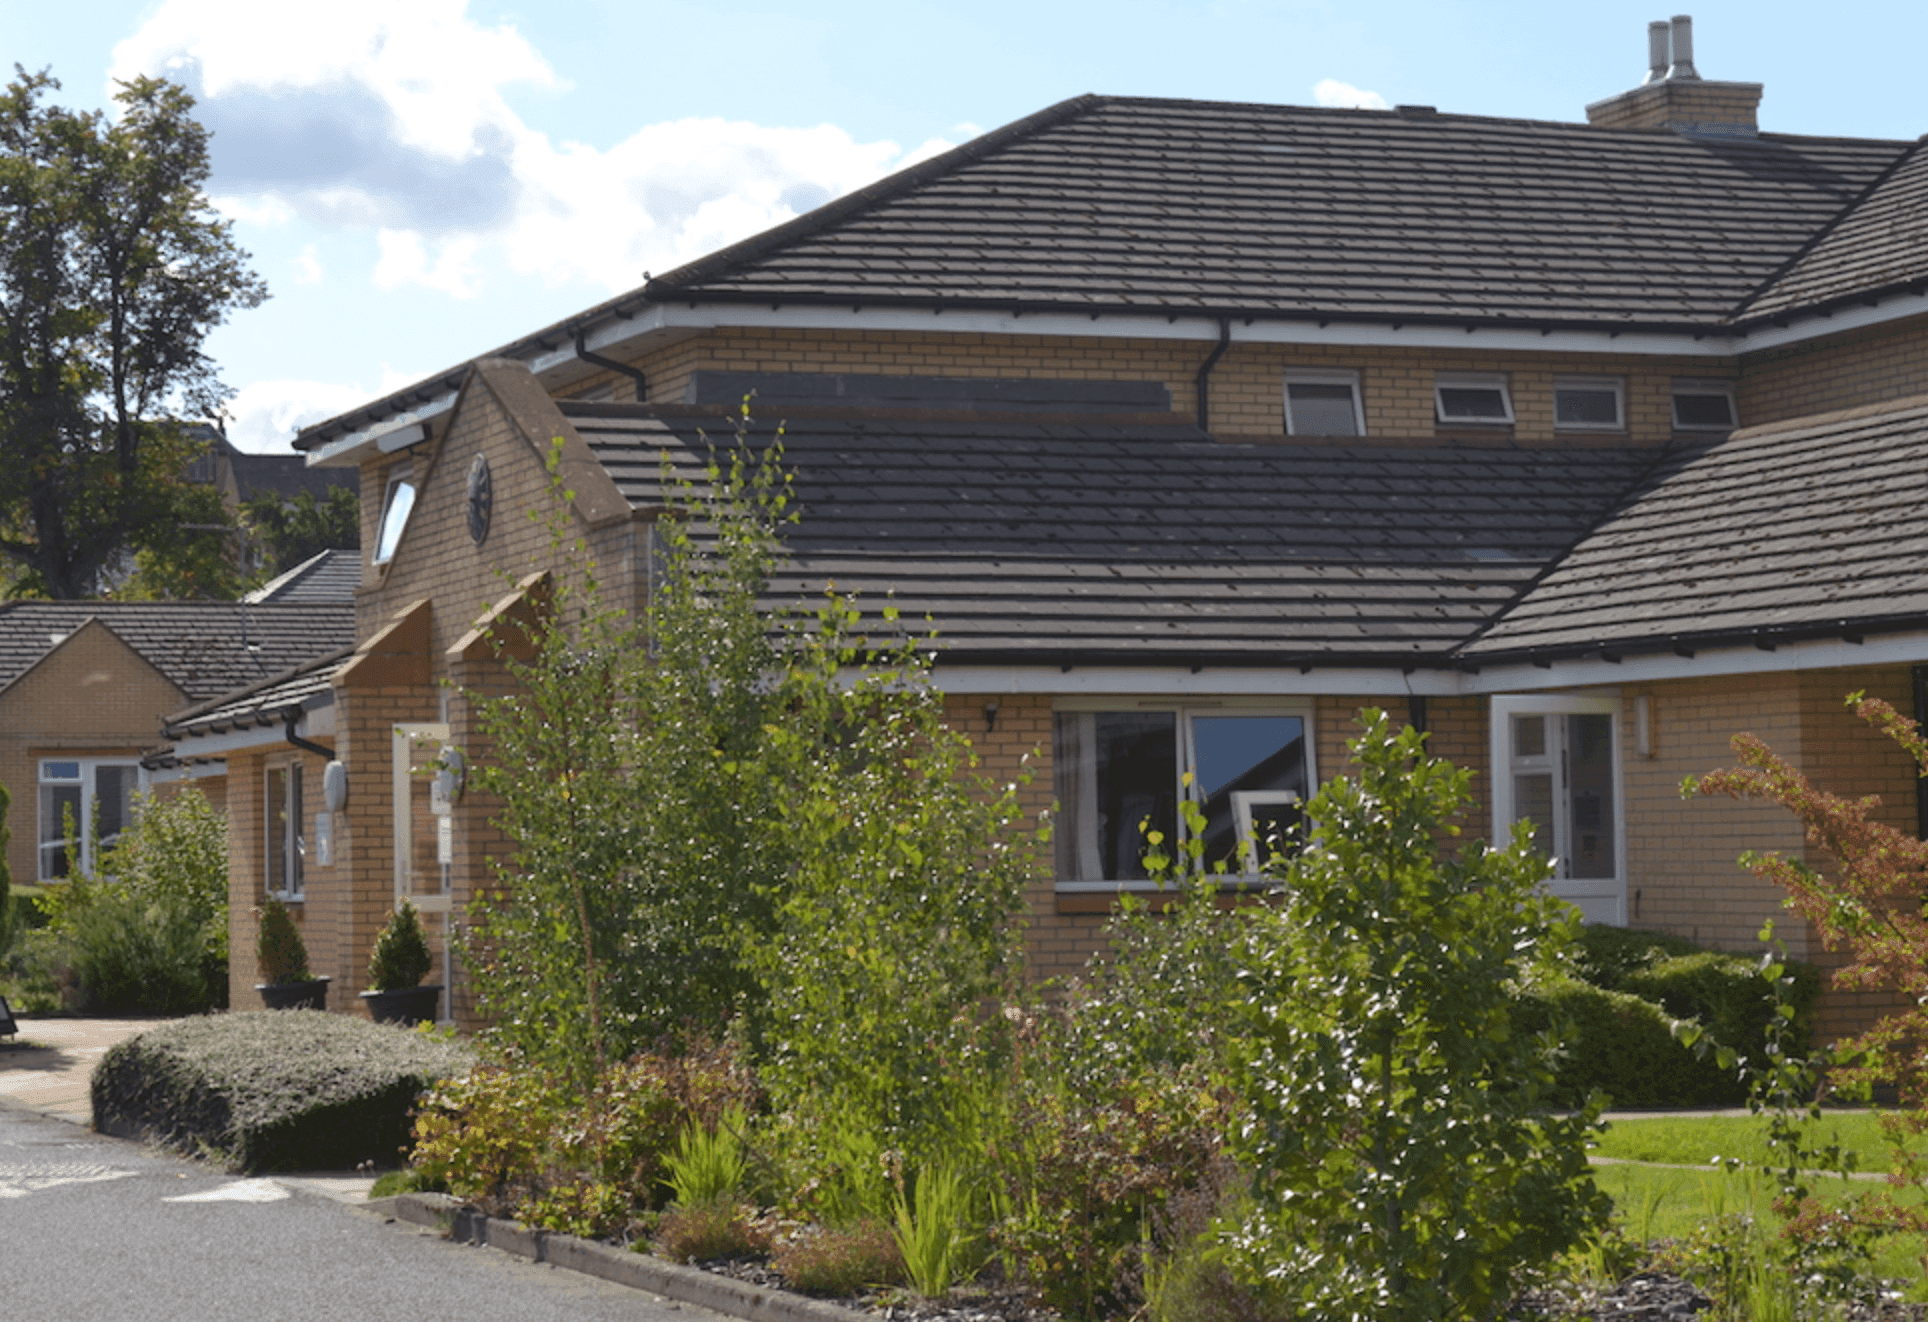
(1683, 48)
(1659, 50)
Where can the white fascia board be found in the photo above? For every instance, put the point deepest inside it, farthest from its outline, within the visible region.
(657, 318)
(1658, 667)
(318, 722)
(392, 433)
(1181, 681)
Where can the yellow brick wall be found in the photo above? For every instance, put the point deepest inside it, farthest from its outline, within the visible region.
(91, 696)
(1860, 367)
(1247, 384)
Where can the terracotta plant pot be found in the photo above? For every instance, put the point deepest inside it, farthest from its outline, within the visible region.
(404, 1005)
(310, 995)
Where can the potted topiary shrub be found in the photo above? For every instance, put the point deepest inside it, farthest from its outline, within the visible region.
(281, 958)
(396, 967)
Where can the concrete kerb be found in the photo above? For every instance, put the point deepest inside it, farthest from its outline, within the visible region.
(719, 1294)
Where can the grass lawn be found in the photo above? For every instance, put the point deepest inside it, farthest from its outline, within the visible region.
(1662, 1201)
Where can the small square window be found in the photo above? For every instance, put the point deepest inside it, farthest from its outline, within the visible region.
(1703, 406)
(1467, 398)
(1323, 404)
(1587, 403)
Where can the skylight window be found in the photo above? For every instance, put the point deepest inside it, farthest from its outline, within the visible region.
(1323, 404)
(1588, 403)
(1480, 399)
(1704, 406)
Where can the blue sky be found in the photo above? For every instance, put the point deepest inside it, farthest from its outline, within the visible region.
(421, 180)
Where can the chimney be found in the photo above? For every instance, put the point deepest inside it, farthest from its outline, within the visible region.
(1675, 96)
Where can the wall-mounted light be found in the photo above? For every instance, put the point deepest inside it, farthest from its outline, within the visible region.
(1643, 725)
(990, 715)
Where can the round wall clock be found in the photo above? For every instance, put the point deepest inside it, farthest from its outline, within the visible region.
(481, 498)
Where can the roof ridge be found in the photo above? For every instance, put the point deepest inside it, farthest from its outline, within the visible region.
(1815, 239)
(663, 287)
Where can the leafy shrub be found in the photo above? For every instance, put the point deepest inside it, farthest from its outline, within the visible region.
(1624, 1047)
(506, 1135)
(272, 1091)
(839, 1263)
(281, 956)
(706, 1231)
(1726, 995)
(401, 957)
(1404, 1165)
(150, 934)
(707, 1165)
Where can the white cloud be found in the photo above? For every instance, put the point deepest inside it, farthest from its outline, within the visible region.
(1332, 92)
(405, 260)
(367, 114)
(307, 267)
(264, 417)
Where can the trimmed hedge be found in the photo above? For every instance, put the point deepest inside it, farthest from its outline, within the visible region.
(1623, 1046)
(1631, 986)
(266, 1091)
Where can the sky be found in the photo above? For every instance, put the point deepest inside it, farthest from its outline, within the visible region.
(419, 181)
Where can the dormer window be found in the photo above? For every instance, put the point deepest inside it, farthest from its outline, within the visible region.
(1588, 403)
(1323, 404)
(1480, 399)
(397, 502)
(1704, 406)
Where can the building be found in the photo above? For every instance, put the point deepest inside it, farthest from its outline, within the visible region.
(1195, 427)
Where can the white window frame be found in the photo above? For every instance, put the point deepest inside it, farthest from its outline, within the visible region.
(1242, 802)
(1297, 377)
(1601, 899)
(1724, 389)
(289, 844)
(1445, 381)
(86, 778)
(1617, 386)
(398, 504)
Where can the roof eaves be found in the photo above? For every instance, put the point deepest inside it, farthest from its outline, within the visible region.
(1686, 643)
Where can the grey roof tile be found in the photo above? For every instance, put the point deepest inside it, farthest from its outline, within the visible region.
(205, 648)
(1285, 210)
(1808, 526)
(1051, 541)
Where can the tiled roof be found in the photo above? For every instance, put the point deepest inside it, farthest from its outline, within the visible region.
(1061, 540)
(205, 648)
(1114, 203)
(1796, 529)
(1881, 243)
(262, 704)
(327, 576)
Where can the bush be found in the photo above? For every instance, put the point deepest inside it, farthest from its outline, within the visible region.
(510, 1137)
(150, 934)
(1618, 1047)
(839, 1263)
(401, 957)
(1624, 1047)
(280, 955)
(262, 1092)
(704, 1232)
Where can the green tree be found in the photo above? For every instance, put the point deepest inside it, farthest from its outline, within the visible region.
(6, 875)
(1404, 1163)
(294, 529)
(113, 270)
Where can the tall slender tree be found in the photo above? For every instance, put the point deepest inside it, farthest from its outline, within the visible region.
(113, 270)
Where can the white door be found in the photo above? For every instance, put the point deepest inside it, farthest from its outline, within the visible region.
(1560, 771)
(422, 836)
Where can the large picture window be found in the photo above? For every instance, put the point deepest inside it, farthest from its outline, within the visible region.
(1558, 769)
(86, 801)
(1122, 767)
